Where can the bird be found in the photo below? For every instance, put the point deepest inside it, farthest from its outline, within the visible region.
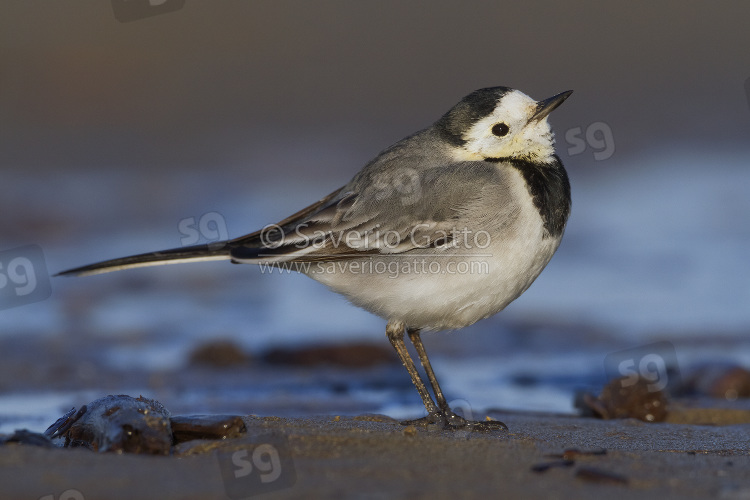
(442, 229)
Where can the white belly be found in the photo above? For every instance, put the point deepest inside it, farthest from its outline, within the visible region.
(440, 290)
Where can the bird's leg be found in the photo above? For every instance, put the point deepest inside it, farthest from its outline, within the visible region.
(394, 330)
(451, 420)
(416, 340)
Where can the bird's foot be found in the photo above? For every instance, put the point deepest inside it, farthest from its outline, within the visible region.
(448, 420)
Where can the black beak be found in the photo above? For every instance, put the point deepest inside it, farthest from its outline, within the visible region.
(545, 107)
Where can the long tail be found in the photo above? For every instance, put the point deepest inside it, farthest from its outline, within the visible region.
(212, 251)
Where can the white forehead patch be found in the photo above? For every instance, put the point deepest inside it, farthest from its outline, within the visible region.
(514, 105)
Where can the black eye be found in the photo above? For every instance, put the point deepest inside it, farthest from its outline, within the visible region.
(500, 129)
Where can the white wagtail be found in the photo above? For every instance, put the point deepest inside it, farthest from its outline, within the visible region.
(444, 228)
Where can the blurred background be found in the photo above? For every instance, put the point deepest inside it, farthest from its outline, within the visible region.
(128, 127)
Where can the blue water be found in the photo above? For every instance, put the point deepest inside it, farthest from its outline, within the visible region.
(656, 248)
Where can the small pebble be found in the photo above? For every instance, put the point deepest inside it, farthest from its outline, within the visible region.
(545, 466)
(410, 430)
(622, 398)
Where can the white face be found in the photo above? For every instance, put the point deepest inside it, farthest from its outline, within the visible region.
(517, 138)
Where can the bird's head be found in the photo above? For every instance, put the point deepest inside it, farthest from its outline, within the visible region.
(500, 123)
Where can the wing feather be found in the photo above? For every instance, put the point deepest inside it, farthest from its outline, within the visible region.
(371, 218)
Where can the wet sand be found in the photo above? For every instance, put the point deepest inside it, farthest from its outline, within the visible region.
(376, 457)
(702, 450)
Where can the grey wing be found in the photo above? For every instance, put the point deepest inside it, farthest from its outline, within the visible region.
(387, 210)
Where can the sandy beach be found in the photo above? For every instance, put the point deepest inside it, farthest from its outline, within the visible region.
(542, 456)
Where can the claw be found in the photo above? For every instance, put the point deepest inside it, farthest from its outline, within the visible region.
(451, 421)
